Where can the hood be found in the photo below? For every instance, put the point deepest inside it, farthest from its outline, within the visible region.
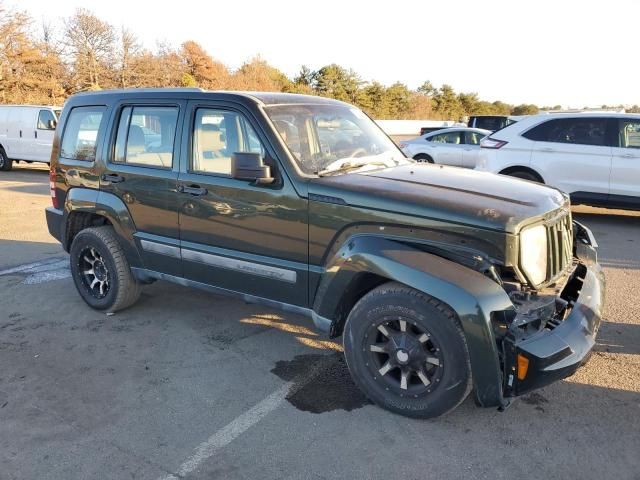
(451, 194)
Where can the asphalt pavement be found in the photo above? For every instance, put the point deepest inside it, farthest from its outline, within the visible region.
(187, 384)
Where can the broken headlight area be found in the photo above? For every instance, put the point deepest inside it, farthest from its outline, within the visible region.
(532, 320)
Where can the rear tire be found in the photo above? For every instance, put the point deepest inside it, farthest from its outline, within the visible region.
(406, 351)
(423, 158)
(5, 162)
(100, 270)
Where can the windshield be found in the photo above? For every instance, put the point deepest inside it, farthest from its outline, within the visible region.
(333, 139)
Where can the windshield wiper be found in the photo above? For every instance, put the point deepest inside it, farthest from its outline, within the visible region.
(347, 166)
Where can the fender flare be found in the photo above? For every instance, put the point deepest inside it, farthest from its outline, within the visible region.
(108, 206)
(470, 294)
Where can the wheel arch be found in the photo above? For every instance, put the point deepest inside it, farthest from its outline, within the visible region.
(85, 207)
(423, 155)
(367, 261)
(521, 168)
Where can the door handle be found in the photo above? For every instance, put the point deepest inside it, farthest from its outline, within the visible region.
(547, 149)
(112, 178)
(35, 133)
(628, 155)
(195, 190)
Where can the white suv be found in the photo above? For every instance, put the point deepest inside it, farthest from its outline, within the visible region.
(593, 157)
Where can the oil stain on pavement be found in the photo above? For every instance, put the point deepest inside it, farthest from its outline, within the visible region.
(331, 389)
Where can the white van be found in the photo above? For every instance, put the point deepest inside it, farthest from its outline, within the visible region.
(26, 133)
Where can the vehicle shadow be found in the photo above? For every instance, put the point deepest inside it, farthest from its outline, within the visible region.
(30, 188)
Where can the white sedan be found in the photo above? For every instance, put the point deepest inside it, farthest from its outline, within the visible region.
(450, 146)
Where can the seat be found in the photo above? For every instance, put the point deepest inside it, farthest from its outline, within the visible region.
(136, 150)
(135, 141)
(211, 150)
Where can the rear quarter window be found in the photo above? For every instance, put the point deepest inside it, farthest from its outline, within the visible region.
(80, 136)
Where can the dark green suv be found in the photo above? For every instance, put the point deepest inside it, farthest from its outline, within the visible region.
(440, 280)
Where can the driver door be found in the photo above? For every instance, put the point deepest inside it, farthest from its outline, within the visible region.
(235, 234)
(44, 135)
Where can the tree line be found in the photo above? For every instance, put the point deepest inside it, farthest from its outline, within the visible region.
(45, 65)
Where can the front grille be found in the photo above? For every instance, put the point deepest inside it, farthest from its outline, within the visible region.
(559, 246)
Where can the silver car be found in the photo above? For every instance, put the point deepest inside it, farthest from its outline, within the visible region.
(450, 146)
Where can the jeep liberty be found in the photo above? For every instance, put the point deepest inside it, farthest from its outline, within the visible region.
(439, 280)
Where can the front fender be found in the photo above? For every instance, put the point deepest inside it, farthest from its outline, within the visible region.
(110, 207)
(470, 294)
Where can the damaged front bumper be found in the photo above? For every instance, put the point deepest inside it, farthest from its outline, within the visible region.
(551, 336)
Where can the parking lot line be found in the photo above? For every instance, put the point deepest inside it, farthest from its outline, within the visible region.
(231, 431)
(245, 421)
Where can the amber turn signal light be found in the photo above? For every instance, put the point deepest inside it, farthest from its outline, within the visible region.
(523, 366)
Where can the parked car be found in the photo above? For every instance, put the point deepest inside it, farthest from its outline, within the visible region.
(492, 122)
(452, 146)
(439, 280)
(26, 133)
(425, 130)
(593, 157)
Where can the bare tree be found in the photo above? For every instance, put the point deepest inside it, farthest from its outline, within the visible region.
(129, 51)
(90, 43)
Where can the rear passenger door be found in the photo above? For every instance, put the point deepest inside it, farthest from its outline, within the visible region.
(471, 149)
(447, 148)
(142, 170)
(625, 170)
(574, 154)
(44, 129)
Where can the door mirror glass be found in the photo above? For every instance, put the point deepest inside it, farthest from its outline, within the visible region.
(251, 167)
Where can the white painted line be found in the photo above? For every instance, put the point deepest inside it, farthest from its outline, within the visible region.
(48, 276)
(31, 266)
(231, 431)
(242, 423)
(41, 272)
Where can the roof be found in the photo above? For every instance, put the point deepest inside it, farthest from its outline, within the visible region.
(585, 114)
(265, 98)
(457, 129)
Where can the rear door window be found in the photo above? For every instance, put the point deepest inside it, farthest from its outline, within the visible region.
(473, 138)
(146, 136)
(579, 131)
(80, 138)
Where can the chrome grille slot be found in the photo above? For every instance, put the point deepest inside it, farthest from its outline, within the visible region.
(559, 246)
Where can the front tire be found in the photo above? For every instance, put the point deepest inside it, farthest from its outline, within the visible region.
(5, 162)
(406, 351)
(100, 270)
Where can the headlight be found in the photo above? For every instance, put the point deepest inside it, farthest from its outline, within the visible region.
(533, 253)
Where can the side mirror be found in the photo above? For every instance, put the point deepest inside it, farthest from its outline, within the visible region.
(251, 167)
(51, 124)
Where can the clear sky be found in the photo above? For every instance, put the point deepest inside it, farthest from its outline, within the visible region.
(548, 52)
